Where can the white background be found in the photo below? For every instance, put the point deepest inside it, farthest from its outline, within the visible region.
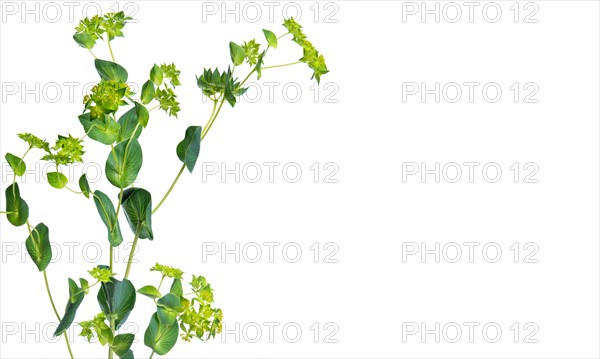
(371, 214)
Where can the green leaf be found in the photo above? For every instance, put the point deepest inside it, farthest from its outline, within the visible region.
(259, 63)
(237, 53)
(111, 71)
(84, 40)
(85, 285)
(150, 291)
(16, 163)
(147, 92)
(188, 150)
(38, 246)
(156, 75)
(142, 114)
(107, 212)
(128, 123)
(169, 307)
(71, 308)
(84, 186)
(271, 38)
(103, 130)
(177, 287)
(117, 299)
(16, 208)
(122, 343)
(127, 355)
(137, 205)
(161, 338)
(57, 179)
(124, 164)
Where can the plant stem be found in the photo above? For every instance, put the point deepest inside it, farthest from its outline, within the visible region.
(170, 189)
(72, 190)
(151, 355)
(119, 204)
(132, 252)
(111, 258)
(111, 52)
(54, 307)
(211, 121)
(112, 325)
(282, 65)
(50, 295)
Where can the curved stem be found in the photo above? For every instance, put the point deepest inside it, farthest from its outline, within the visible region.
(170, 189)
(132, 252)
(50, 295)
(111, 52)
(212, 119)
(282, 65)
(54, 307)
(72, 190)
(90, 50)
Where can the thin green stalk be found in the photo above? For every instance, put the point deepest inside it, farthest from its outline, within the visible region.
(151, 355)
(210, 123)
(213, 115)
(111, 51)
(54, 306)
(132, 252)
(72, 190)
(170, 189)
(282, 65)
(111, 254)
(119, 204)
(91, 52)
(112, 326)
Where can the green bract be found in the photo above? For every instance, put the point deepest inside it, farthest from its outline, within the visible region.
(113, 115)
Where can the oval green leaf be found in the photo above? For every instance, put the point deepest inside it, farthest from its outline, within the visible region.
(168, 307)
(137, 205)
(156, 75)
(147, 92)
(128, 123)
(71, 308)
(84, 186)
(16, 163)
(176, 287)
(237, 53)
(103, 130)
(107, 212)
(188, 150)
(122, 343)
(161, 338)
(17, 210)
(271, 38)
(57, 179)
(142, 114)
(38, 246)
(150, 291)
(117, 299)
(111, 71)
(124, 164)
(84, 40)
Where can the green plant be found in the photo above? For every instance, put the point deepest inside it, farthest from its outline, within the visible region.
(178, 313)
